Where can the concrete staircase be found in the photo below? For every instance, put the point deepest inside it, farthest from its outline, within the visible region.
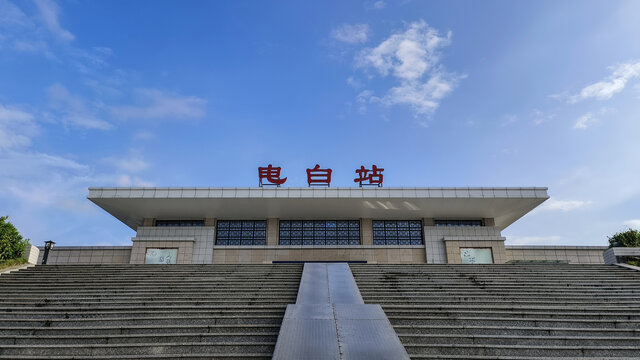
(508, 311)
(144, 311)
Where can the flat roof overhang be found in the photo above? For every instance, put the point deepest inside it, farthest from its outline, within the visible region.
(132, 205)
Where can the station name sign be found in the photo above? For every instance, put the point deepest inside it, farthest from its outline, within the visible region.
(270, 175)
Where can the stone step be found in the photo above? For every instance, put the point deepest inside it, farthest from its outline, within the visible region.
(237, 302)
(494, 307)
(524, 350)
(633, 286)
(139, 329)
(82, 340)
(520, 314)
(198, 356)
(513, 321)
(173, 348)
(463, 301)
(513, 357)
(513, 330)
(481, 339)
(158, 320)
(137, 314)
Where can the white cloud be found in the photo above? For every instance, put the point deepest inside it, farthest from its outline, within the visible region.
(17, 127)
(616, 82)
(363, 98)
(11, 15)
(159, 105)
(408, 55)
(353, 82)
(30, 46)
(49, 11)
(379, 5)
(634, 224)
(412, 57)
(534, 240)
(585, 121)
(74, 110)
(425, 97)
(351, 34)
(563, 205)
(46, 180)
(39, 178)
(540, 117)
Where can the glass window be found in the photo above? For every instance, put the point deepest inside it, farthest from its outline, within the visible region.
(458, 222)
(161, 256)
(179, 222)
(241, 232)
(476, 256)
(319, 232)
(397, 232)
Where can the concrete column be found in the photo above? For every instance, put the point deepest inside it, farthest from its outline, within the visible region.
(31, 253)
(273, 231)
(366, 231)
(209, 221)
(148, 222)
(489, 222)
(434, 247)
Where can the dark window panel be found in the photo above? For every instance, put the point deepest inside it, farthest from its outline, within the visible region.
(397, 232)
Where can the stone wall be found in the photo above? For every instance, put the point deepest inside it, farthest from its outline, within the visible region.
(570, 254)
(201, 237)
(406, 254)
(437, 251)
(31, 253)
(64, 255)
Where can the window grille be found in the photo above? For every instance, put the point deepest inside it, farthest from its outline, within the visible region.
(241, 232)
(163, 223)
(319, 232)
(397, 232)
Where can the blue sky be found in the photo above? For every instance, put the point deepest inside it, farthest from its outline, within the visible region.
(439, 93)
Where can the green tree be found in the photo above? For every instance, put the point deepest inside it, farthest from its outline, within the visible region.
(12, 245)
(629, 238)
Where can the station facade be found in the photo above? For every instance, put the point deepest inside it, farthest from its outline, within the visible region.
(271, 225)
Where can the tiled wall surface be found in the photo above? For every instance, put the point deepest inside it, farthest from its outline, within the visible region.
(571, 254)
(61, 255)
(204, 238)
(266, 254)
(434, 235)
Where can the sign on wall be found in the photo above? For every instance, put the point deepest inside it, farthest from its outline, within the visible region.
(161, 256)
(476, 256)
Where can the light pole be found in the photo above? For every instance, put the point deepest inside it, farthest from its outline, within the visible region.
(48, 245)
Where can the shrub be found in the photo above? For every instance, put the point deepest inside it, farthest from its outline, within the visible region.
(12, 245)
(629, 238)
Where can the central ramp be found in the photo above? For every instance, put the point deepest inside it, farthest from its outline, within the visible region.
(331, 321)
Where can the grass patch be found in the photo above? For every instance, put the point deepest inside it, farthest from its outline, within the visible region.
(634, 262)
(11, 263)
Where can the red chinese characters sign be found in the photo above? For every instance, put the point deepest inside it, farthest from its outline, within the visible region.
(270, 175)
(317, 176)
(371, 176)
